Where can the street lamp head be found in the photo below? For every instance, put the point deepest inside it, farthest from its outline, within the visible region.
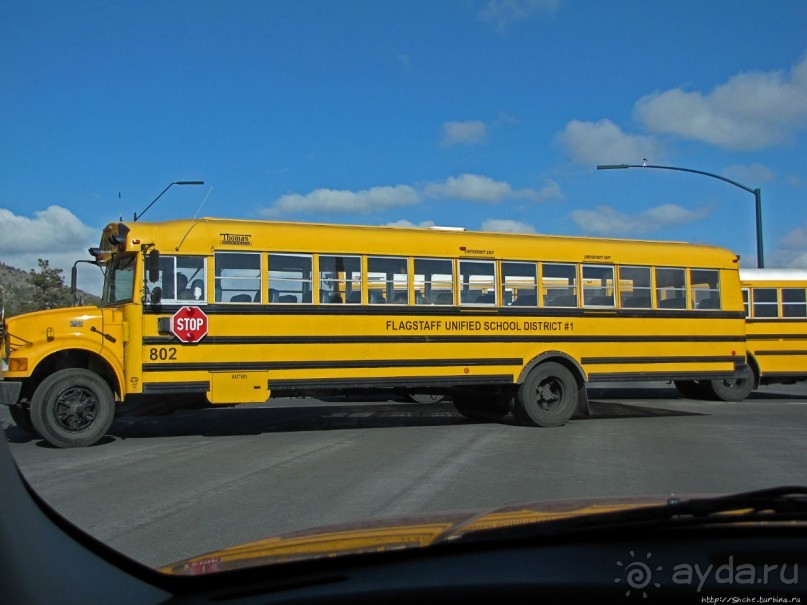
(612, 166)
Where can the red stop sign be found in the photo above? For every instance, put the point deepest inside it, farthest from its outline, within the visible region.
(189, 324)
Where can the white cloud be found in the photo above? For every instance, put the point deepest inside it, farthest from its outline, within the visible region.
(750, 111)
(606, 221)
(478, 188)
(333, 201)
(405, 224)
(749, 174)
(604, 142)
(464, 133)
(55, 234)
(506, 226)
(500, 13)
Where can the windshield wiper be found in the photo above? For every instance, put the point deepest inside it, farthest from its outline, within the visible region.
(778, 504)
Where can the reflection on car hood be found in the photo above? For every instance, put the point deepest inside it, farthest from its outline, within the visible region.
(395, 533)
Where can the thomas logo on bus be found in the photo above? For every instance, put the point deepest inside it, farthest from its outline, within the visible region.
(189, 324)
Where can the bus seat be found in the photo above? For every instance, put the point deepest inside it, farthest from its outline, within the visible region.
(637, 302)
(677, 302)
(274, 296)
(712, 302)
(525, 300)
(354, 297)
(601, 301)
(287, 298)
(568, 300)
(240, 298)
(444, 298)
(486, 298)
(376, 298)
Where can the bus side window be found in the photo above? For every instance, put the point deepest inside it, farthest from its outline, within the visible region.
(634, 288)
(387, 280)
(238, 277)
(794, 303)
(598, 286)
(192, 275)
(289, 280)
(559, 285)
(340, 279)
(520, 284)
(434, 281)
(671, 288)
(705, 285)
(477, 282)
(765, 302)
(746, 297)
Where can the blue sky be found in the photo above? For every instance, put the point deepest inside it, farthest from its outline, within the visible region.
(486, 114)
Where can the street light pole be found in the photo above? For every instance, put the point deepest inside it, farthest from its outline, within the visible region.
(757, 195)
(137, 216)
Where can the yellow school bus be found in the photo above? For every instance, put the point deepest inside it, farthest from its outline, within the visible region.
(776, 328)
(238, 311)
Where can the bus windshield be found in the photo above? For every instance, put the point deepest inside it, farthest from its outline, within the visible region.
(119, 280)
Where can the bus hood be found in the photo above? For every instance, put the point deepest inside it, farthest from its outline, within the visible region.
(395, 533)
(41, 326)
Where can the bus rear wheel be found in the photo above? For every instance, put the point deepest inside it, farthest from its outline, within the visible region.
(548, 396)
(733, 389)
(72, 408)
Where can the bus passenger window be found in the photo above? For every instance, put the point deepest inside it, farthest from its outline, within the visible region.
(559, 285)
(340, 279)
(387, 280)
(182, 279)
(745, 302)
(794, 303)
(434, 281)
(477, 282)
(671, 288)
(289, 280)
(520, 284)
(765, 302)
(634, 288)
(705, 285)
(598, 286)
(238, 277)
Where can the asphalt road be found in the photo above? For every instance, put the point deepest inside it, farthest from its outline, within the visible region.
(163, 488)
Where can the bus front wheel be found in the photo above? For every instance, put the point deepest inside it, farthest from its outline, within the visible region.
(72, 408)
(548, 396)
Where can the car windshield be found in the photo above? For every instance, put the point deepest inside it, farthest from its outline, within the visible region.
(461, 256)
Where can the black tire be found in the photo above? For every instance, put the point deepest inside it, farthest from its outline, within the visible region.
(426, 397)
(483, 407)
(733, 389)
(22, 417)
(72, 408)
(548, 397)
(693, 389)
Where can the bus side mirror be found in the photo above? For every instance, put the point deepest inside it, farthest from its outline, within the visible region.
(73, 279)
(153, 265)
(156, 295)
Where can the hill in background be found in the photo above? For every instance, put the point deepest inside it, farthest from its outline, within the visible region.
(25, 291)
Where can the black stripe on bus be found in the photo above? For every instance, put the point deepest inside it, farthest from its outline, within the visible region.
(776, 336)
(447, 310)
(782, 352)
(310, 365)
(420, 382)
(660, 376)
(642, 360)
(156, 388)
(481, 339)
